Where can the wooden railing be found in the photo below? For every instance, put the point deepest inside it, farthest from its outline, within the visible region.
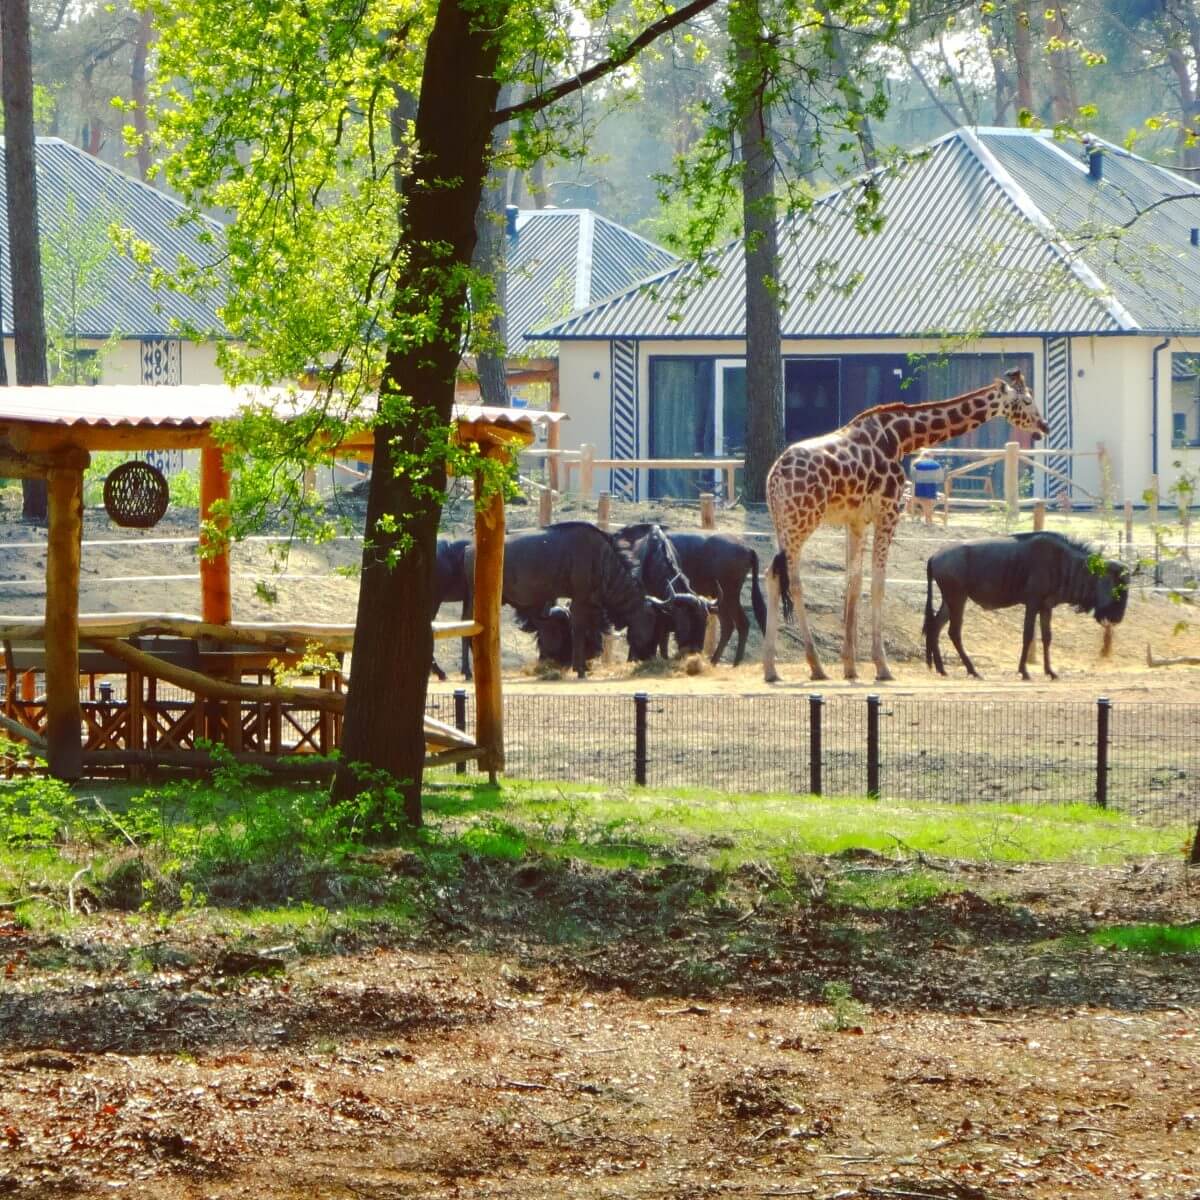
(585, 462)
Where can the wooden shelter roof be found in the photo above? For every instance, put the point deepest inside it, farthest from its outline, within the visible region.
(114, 416)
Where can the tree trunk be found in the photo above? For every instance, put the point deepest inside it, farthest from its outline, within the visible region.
(385, 708)
(1022, 56)
(491, 259)
(29, 327)
(137, 88)
(1005, 86)
(1189, 106)
(764, 360)
(1063, 104)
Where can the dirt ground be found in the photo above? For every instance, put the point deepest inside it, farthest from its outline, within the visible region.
(989, 1050)
(156, 571)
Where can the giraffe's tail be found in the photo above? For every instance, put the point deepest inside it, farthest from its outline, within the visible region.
(779, 569)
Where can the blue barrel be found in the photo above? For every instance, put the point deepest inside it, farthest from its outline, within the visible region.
(927, 474)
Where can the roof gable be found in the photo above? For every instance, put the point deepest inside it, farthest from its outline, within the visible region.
(562, 260)
(973, 244)
(124, 303)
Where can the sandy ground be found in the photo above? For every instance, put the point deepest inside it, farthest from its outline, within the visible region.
(156, 570)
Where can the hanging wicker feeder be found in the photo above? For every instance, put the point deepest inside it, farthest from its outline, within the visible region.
(136, 495)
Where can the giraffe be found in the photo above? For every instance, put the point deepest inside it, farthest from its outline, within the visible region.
(854, 477)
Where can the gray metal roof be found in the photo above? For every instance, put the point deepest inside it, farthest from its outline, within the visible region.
(982, 237)
(124, 302)
(564, 259)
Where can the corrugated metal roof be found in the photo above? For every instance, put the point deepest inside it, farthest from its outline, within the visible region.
(125, 303)
(564, 259)
(188, 406)
(973, 243)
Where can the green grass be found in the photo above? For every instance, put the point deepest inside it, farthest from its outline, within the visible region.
(633, 827)
(1150, 939)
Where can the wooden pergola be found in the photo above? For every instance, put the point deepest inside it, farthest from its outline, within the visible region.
(51, 432)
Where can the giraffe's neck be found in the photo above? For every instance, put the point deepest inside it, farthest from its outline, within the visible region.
(932, 424)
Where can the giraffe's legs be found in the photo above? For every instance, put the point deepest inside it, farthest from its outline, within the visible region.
(854, 572)
(885, 527)
(792, 552)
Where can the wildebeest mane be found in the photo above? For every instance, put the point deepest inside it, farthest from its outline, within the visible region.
(617, 592)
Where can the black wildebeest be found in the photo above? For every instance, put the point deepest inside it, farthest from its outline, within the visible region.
(1038, 570)
(577, 561)
(716, 564)
(658, 567)
(450, 583)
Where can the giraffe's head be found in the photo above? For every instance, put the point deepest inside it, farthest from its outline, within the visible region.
(1018, 406)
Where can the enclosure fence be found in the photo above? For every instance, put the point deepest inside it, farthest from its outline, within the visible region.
(1142, 759)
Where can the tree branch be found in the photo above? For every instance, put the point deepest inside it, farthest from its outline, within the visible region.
(604, 67)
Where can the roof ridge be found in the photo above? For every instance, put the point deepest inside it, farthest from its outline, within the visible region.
(1027, 207)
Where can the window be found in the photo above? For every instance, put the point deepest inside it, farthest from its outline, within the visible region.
(1185, 399)
(682, 423)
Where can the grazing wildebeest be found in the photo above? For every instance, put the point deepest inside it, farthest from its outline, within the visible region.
(577, 561)
(659, 569)
(1039, 570)
(450, 583)
(716, 564)
(551, 628)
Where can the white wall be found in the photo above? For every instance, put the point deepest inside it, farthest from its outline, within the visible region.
(1110, 395)
(584, 394)
(123, 363)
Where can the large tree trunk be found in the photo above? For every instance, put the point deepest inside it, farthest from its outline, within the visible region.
(29, 327)
(1063, 104)
(394, 643)
(764, 359)
(491, 259)
(1022, 55)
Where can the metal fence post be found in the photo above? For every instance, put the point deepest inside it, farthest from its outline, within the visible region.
(873, 747)
(1103, 716)
(815, 704)
(460, 722)
(640, 705)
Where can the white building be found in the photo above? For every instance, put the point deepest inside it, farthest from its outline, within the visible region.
(999, 248)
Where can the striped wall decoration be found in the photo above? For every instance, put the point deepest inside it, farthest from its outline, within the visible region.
(1058, 409)
(624, 431)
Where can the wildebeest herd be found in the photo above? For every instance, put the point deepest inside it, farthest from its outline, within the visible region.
(572, 583)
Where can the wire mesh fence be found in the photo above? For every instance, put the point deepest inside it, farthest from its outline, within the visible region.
(1141, 759)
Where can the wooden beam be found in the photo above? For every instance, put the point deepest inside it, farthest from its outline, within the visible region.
(38, 438)
(281, 636)
(216, 605)
(489, 586)
(64, 745)
(215, 689)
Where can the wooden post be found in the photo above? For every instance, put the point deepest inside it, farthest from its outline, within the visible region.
(708, 511)
(489, 587)
(730, 485)
(552, 433)
(587, 470)
(1129, 524)
(604, 511)
(545, 507)
(1039, 515)
(1104, 464)
(1012, 490)
(215, 601)
(64, 752)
